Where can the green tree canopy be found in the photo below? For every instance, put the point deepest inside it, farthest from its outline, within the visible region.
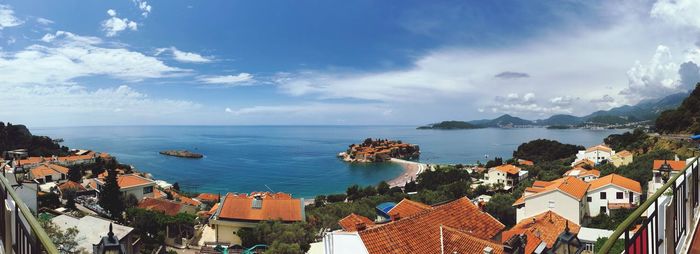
(541, 150)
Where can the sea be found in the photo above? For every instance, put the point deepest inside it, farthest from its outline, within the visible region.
(301, 160)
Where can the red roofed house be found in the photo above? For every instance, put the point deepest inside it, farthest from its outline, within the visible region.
(657, 180)
(165, 206)
(612, 192)
(238, 211)
(622, 158)
(354, 222)
(565, 196)
(47, 172)
(525, 162)
(455, 227)
(133, 184)
(596, 154)
(508, 175)
(542, 231)
(583, 174)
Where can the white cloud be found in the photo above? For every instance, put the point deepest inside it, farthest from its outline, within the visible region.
(143, 6)
(182, 56)
(311, 113)
(232, 80)
(61, 105)
(114, 25)
(657, 77)
(677, 12)
(7, 17)
(44, 21)
(77, 56)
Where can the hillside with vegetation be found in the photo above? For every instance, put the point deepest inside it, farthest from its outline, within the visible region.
(541, 150)
(685, 118)
(17, 136)
(450, 125)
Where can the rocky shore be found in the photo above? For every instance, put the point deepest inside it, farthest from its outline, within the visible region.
(182, 154)
(380, 150)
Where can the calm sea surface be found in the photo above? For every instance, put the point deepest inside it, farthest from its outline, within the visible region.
(296, 159)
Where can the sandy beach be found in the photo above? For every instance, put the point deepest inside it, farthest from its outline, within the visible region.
(411, 171)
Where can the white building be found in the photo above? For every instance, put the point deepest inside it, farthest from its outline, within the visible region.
(583, 174)
(47, 172)
(138, 186)
(596, 154)
(657, 180)
(508, 175)
(564, 196)
(91, 229)
(612, 192)
(339, 242)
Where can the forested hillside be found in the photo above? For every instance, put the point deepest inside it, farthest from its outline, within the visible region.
(684, 119)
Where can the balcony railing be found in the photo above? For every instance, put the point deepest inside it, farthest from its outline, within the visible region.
(666, 221)
(20, 232)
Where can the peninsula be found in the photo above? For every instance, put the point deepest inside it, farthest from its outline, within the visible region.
(380, 150)
(182, 154)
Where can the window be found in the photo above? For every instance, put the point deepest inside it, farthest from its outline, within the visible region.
(147, 190)
(49, 178)
(603, 210)
(603, 195)
(551, 204)
(589, 199)
(619, 195)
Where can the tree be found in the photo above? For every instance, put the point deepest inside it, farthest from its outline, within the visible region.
(65, 240)
(494, 163)
(131, 201)
(353, 192)
(618, 246)
(320, 200)
(501, 207)
(176, 186)
(75, 174)
(383, 188)
(285, 238)
(278, 247)
(111, 197)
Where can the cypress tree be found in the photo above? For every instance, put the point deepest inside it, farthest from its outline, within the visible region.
(110, 196)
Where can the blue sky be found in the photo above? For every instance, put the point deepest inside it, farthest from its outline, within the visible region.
(132, 62)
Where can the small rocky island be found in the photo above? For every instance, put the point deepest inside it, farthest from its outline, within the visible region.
(182, 154)
(380, 150)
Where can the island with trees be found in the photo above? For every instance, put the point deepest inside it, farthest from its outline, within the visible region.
(450, 125)
(380, 150)
(182, 154)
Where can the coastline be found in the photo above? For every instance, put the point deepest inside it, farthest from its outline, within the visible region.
(411, 171)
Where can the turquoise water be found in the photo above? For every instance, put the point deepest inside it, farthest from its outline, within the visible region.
(296, 159)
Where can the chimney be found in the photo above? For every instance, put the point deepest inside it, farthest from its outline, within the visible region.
(360, 226)
(396, 217)
(488, 250)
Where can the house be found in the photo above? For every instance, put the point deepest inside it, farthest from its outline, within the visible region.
(238, 211)
(91, 229)
(585, 175)
(168, 207)
(585, 163)
(131, 184)
(47, 172)
(407, 208)
(542, 231)
(657, 179)
(525, 162)
(596, 154)
(79, 158)
(622, 158)
(208, 197)
(507, 175)
(353, 222)
(565, 196)
(70, 187)
(612, 192)
(455, 227)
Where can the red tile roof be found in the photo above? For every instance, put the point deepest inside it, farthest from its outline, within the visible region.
(48, 169)
(213, 209)
(274, 206)
(70, 185)
(623, 153)
(620, 181)
(161, 205)
(675, 165)
(130, 180)
(208, 197)
(574, 187)
(526, 162)
(420, 233)
(545, 227)
(352, 221)
(508, 168)
(458, 241)
(185, 200)
(407, 208)
(599, 148)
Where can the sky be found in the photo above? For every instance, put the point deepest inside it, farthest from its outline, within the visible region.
(186, 62)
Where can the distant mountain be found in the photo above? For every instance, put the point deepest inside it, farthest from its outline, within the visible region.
(646, 110)
(450, 125)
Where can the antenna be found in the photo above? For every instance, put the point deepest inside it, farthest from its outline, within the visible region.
(268, 187)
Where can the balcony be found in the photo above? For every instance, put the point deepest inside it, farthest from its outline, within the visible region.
(667, 222)
(20, 232)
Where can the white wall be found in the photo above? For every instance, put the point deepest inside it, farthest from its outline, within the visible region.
(611, 197)
(495, 176)
(561, 203)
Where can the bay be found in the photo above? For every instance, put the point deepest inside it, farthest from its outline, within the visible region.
(295, 159)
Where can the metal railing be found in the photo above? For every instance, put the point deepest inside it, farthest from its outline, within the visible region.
(20, 232)
(667, 217)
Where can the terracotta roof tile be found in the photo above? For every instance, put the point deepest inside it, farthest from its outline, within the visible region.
(508, 168)
(526, 162)
(407, 208)
(213, 209)
(623, 153)
(618, 180)
(350, 222)
(274, 206)
(70, 185)
(572, 186)
(161, 205)
(599, 148)
(420, 233)
(675, 165)
(33, 160)
(458, 241)
(208, 197)
(584, 162)
(546, 227)
(47, 169)
(582, 172)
